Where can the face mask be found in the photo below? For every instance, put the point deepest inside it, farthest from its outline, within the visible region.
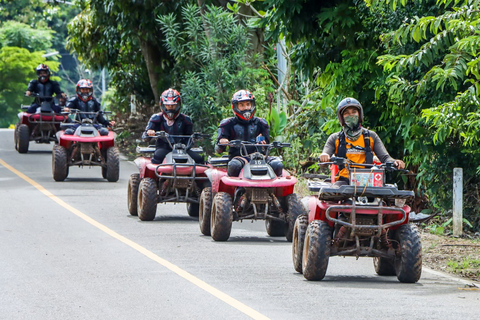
(351, 122)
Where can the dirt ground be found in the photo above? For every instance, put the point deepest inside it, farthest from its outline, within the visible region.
(456, 256)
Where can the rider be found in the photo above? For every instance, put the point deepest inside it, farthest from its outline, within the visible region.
(44, 87)
(172, 122)
(85, 102)
(244, 126)
(354, 142)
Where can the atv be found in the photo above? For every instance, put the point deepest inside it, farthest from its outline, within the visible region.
(365, 218)
(40, 127)
(177, 179)
(85, 147)
(257, 194)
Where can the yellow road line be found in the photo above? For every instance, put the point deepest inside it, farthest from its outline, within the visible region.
(182, 273)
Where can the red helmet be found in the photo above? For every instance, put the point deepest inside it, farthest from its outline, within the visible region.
(171, 97)
(84, 83)
(243, 95)
(43, 67)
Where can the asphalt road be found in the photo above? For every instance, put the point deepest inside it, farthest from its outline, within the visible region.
(70, 250)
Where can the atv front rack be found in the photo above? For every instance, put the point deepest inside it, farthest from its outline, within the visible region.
(327, 192)
(177, 178)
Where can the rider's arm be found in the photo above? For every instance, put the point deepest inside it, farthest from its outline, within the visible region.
(187, 128)
(57, 90)
(32, 85)
(329, 148)
(265, 130)
(151, 125)
(379, 149)
(100, 117)
(223, 133)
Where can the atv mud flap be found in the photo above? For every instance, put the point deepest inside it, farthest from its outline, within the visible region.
(183, 176)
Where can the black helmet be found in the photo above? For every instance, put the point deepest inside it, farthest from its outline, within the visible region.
(344, 104)
(243, 95)
(43, 67)
(171, 97)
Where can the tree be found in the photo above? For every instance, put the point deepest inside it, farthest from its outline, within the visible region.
(211, 61)
(17, 67)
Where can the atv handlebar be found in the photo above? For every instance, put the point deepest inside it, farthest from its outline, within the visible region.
(388, 166)
(191, 138)
(243, 146)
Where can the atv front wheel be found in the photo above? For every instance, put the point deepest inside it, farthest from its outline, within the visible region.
(23, 138)
(192, 209)
(221, 220)
(299, 231)
(316, 251)
(275, 228)
(205, 211)
(113, 164)
(132, 193)
(59, 163)
(147, 199)
(408, 263)
(384, 266)
(15, 136)
(294, 209)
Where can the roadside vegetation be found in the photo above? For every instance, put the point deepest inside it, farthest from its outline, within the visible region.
(414, 65)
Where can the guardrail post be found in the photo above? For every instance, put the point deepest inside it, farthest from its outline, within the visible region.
(457, 201)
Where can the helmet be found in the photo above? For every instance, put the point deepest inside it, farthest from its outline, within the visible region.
(84, 83)
(43, 67)
(344, 104)
(243, 95)
(171, 97)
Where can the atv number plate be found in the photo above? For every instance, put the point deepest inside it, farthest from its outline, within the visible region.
(369, 178)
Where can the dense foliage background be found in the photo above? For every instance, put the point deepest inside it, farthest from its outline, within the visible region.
(412, 64)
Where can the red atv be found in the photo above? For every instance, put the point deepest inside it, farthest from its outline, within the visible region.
(257, 193)
(40, 127)
(177, 179)
(366, 218)
(85, 147)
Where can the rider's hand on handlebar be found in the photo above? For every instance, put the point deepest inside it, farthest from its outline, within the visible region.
(151, 133)
(399, 164)
(324, 157)
(112, 123)
(223, 141)
(27, 93)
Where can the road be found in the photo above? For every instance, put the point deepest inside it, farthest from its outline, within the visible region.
(70, 250)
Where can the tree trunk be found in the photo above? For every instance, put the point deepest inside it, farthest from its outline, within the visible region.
(153, 61)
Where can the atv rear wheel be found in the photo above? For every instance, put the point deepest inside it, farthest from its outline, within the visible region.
(408, 263)
(205, 211)
(192, 209)
(299, 231)
(147, 199)
(294, 209)
(113, 164)
(59, 163)
(23, 138)
(221, 219)
(384, 266)
(132, 193)
(316, 251)
(275, 228)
